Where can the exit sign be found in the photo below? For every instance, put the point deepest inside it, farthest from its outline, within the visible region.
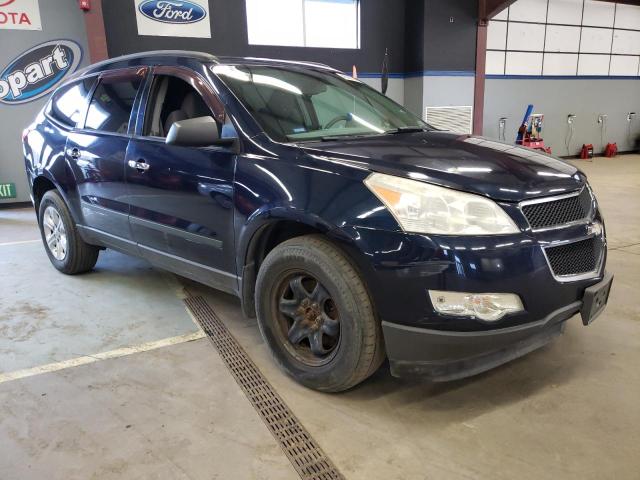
(7, 190)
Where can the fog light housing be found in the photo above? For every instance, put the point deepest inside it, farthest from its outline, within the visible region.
(485, 306)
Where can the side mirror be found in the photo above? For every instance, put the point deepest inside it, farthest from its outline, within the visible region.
(196, 132)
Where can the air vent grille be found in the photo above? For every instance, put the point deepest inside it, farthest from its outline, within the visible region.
(453, 119)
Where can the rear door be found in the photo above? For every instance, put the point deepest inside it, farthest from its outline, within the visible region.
(97, 153)
(182, 197)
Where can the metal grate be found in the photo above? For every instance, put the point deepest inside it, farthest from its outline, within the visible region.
(574, 258)
(302, 450)
(453, 119)
(554, 213)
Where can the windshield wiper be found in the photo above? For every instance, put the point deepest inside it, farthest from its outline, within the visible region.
(332, 138)
(395, 131)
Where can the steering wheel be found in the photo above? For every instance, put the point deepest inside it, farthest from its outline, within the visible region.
(339, 118)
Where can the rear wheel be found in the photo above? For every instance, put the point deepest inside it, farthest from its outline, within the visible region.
(63, 244)
(316, 315)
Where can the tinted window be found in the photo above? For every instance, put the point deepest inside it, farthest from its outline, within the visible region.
(336, 103)
(111, 104)
(298, 104)
(67, 104)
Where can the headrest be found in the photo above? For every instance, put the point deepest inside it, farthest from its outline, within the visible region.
(191, 105)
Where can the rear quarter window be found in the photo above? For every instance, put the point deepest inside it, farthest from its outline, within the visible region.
(112, 103)
(68, 102)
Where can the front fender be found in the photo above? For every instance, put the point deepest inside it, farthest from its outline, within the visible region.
(281, 182)
(269, 215)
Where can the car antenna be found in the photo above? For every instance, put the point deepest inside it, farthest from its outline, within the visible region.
(385, 71)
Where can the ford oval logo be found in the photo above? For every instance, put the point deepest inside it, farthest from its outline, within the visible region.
(172, 11)
(37, 71)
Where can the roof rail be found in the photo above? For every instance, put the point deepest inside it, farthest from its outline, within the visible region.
(292, 62)
(153, 53)
(207, 57)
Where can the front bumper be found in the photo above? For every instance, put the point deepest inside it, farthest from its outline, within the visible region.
(401, 268)
(553, 271)
(449, 355)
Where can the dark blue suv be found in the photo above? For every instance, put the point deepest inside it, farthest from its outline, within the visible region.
(350, 228)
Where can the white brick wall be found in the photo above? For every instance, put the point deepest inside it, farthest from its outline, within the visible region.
(565, 38)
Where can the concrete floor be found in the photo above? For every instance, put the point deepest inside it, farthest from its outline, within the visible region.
(171, 410)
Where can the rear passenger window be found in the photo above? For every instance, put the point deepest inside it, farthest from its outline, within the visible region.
(67, 104)
(111, 105)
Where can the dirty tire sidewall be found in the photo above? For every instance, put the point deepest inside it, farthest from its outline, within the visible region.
(80, 256)
(358, 354)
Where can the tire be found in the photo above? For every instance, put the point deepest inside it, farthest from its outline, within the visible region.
(73, 255)
(334, 292)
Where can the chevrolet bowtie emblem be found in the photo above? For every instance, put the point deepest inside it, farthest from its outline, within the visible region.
(594, 228)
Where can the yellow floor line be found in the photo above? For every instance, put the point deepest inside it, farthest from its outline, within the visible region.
(87, 359)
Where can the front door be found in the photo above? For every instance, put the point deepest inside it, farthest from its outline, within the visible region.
(181, 198)
(96, 152)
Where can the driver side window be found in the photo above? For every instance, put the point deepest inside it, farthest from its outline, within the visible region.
(172, 100)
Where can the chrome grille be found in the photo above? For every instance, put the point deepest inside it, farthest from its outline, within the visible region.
(550, 213)
(574, 258)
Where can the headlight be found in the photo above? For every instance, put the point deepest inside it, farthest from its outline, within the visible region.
(425, 208)
(485, 306)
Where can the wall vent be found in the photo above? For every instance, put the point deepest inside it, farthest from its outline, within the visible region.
(453, 119)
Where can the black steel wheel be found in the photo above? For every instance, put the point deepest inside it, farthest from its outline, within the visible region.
(308, 318)
(316, 315)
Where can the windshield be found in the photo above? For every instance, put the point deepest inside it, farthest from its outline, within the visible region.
(294, 104)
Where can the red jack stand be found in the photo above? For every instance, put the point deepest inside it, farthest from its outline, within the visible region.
(587, 151)
(611, 150)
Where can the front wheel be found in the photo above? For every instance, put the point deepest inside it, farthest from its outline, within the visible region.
(66, 250)
(316, 316)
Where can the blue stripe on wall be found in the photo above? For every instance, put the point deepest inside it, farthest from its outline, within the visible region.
(376, 75)
(455, 73)
(559, 77)
(445, 73)
(424, 73)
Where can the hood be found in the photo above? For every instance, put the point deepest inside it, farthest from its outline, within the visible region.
(463, 162)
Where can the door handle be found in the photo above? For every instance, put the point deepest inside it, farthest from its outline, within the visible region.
(74, 153)
(141, 166)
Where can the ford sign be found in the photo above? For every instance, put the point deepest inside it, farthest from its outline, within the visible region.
(37, 71)
(172, 11)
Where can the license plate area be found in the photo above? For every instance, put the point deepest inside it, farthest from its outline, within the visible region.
(595, 299)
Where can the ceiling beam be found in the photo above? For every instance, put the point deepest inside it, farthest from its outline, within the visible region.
(490, 8)
(625, 2)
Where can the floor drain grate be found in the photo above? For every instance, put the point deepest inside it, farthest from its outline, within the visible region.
(304, 453)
